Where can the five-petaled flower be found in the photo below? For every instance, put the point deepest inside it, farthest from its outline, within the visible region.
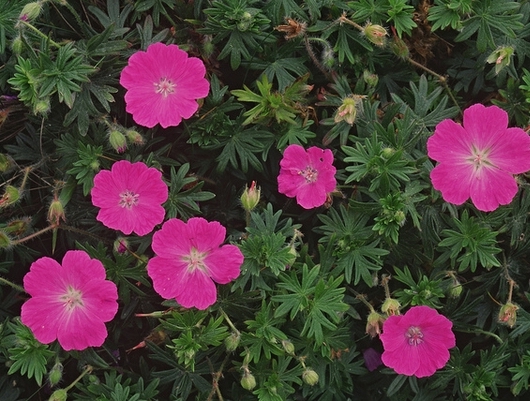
(130, 196)
(307, 175)
(478, 160)
(69, 302)
(163, 85)
(189, 258)
(417, 343)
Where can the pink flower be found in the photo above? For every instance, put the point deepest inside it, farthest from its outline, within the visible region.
(417, 343)
(70, 303)
(162, 85)
(189, 258)
(478, 160)
(307, 175)
(130, 196)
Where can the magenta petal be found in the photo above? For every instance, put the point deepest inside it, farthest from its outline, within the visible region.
(450, 142)
(199, 291)
(492, 188)
(451, 183)
(224, 263)
(511, 152)
(485, 125)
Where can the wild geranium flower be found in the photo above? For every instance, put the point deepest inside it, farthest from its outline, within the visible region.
(417, 343)
(163, 84)
(130, 196)
(307, 175)
(477, 160)
(189, 258)
(69, 302)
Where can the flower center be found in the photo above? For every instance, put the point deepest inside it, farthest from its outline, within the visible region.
(310, 174)
(128, 199)
(72, 298)
(195, 260)
(479, 158)
(165, 87)
(414, 335)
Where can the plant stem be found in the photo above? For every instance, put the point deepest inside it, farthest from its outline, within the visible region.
(13, 285)
(28, 25)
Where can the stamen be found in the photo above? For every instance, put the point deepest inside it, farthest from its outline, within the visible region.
(165, 87)
(128, 199)
(414, 335)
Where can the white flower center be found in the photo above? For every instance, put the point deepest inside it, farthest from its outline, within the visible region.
(479, 158)
(72, 298)
(195, 260)
(128, 199)
(310, 174)
(165, 87)
(414, 335)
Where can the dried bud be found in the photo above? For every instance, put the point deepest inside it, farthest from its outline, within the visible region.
(5, 240)
(250, 197)
(56, 212)
(370, 78)
(501, 57)
(292, 29)
(347, 111)
(59, 395)
(399, 48)
(118, 141)
(10, 197)
(248, 381)
(134, 137)
(309, 376)
(288, 346)
(375, 34)
(18, 226)
(121, 245)
(391, 307)
(56, 374)
(31, 11)
(232, 341)
(374, 323)
(508, 314)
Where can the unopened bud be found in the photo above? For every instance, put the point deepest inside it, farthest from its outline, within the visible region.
(134, 137)
(59, 395)
(17, 45)
(391, 307)
(18, 226)
(207, 46)
(10, 197)
(118, 141)
(250, 197)
(387, 153)
(508, 314)
(455, 290)
(375, 34)
(399, 47)
(245, 21)
(399, 217)
(94, 165)
(42, 106)
(248, 381)
(56, 374)
(56, 212)
(501, 57)
(328, 57)
(310, 377)
(347, 111)
(288, 346)
(6, 163)
(5, 240)
(232, 341)
(374, 323)
(121, 245)
(31, 11)
(370, 78)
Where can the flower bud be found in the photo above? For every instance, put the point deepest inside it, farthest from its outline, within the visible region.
(232, 341)
(6, 163)
(370, 78)
(501, 57)
(121, 245)
(31, 11)
(59, 395)
(56, 212)
(56, 374)
(134, 137)
(347, 111)
(250, 197)
(387, 153)
(374, 323)
(245, 21)
(5, 240)
(94, 165)
(42, 106)
(508, 314)
(248, 381)
(328, 58)
(18, 226)
(399, 217)
(375, 34)
(10, 197)
(391, 307)
(399, 48)
(309, 376)
(118, 141)
(17, 45)
(288, 346)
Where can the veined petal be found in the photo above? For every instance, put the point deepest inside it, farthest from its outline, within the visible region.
(493, 187)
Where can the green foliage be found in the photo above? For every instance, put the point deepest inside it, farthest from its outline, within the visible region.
(446, 13)
(87, 165)
(400, 14)
(521, 374)
(419, 292)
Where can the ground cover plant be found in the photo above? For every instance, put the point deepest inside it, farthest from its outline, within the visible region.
(264, 200)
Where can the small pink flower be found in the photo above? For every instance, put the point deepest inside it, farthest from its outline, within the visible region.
(70, 303)
(130, 196)
(163, 84)
(307, 175)
(189, 258)
(417, 343)
(478, 160)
